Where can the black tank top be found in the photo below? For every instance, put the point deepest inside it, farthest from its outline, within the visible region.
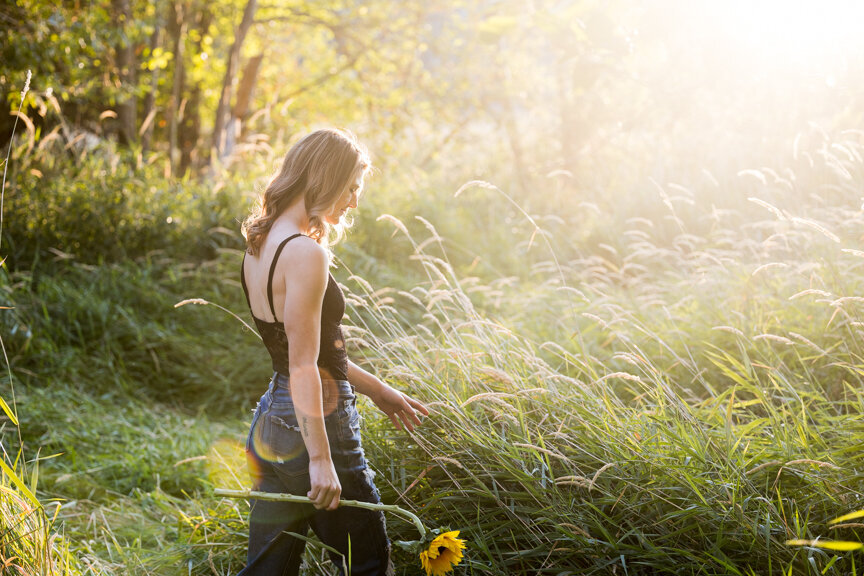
(332, 357)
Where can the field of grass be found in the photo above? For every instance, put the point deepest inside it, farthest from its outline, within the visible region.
(669, 386)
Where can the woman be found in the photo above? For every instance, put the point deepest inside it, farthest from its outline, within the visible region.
(305, 434)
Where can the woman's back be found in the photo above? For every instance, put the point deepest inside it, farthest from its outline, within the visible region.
(257, 270)
(265, 279)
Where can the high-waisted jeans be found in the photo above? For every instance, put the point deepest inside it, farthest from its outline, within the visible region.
(278, 462)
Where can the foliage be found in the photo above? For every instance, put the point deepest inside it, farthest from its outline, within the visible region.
(639, 327)
(644, 438)
(673, 404)
(115, 328)
(27, 544)
(109, 213)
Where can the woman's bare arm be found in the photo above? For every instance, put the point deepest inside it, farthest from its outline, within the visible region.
(304, 295)
(364, 382)
(398, 406)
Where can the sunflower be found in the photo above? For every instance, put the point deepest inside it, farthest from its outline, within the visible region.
(444, 552)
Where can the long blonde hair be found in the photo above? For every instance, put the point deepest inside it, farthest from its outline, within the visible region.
(318, 168)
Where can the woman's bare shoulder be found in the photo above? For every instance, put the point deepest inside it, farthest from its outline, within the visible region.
(306, 255)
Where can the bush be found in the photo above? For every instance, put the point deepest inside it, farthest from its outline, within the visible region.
(103, 209)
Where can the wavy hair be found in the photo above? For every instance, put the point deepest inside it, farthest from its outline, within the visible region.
(318, 168)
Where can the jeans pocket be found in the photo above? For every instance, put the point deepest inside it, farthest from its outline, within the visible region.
(250, 438)
(281, 441)
(349, 421)
(253, 440)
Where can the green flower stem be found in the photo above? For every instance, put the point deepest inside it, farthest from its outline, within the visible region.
(276, 497)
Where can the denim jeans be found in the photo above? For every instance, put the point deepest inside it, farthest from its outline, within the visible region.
(278, 462)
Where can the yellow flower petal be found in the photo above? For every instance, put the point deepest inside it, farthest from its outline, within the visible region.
(444, 552)
(424, 561)
(454, 546)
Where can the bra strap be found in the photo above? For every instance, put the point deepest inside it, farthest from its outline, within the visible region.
(273, 270)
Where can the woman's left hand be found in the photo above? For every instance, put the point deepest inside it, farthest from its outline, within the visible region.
(399, 407)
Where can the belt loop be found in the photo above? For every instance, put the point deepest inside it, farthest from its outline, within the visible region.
(273, 384)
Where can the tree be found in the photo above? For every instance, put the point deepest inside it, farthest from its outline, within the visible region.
(224, 106)
(127, 106)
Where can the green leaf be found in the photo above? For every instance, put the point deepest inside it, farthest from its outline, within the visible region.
(839, 545)
(34, 475)
(17, 481)
(8, 411)
(850, 516)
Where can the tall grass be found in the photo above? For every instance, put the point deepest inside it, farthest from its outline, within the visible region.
(680, 408)
(556, 458)
(672, 386)
(676, 403)
(29, 543)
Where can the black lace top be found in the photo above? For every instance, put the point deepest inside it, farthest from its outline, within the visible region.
(332, 356)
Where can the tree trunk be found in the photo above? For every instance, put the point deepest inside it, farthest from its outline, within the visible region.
(247, 86)
(190, 126)
(190, 129)
(150, 99)
(177, 30)
(241, 107)
(127, 105)
(224, 107)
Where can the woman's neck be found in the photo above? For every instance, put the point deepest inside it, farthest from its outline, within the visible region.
(295, 218)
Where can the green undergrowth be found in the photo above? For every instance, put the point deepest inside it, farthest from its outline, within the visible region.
(127, 472)
(114, 329)
(692, 432)
(103, 207)
(672, 392)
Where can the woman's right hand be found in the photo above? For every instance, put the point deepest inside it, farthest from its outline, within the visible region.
(326, 488)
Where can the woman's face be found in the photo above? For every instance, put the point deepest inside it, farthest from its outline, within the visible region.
(349, 199)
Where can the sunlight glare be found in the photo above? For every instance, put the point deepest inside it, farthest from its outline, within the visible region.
(800, 33)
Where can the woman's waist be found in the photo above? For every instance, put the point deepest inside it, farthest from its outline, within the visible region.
(273, 333)
(332, 389)
(332, 356)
